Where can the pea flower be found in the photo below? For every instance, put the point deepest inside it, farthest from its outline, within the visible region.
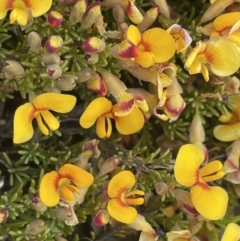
(20, 9)
(232, 232)
(215, 53)
(101, 111)
(230, 129)
(210, 202)
(39, 109)
(146, 49)
(121, 198)
(67, 184)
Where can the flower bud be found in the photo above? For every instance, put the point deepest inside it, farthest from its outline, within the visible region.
(11, 69)
(59, 238)
(34, 42)
(54, 19)
(119, 14)
(163, 6)
(93, 45)
(101, 218)
(90, 148)
(96, 84)
(91, 58)
(161, 188)
(51, 58)
(53, 44)
(196, 130)
(66, 84)
(38, 205)
(3, 215)
(91, 15)
(77, 12)
(109, 165)
(35, 227)
(149, 18)
(83, 74)
(174, 106)
(54, 71)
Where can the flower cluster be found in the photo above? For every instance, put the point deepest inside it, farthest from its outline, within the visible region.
(147, 74)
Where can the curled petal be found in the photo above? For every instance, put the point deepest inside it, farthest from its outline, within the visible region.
(131, 123)
(232, 232)
(48, 190)
(50, 119)
(41, 125)
(164, 48)
(125, 104)
(22, 123)
(60, 103)
(121, 212)
(80, 177)
(228, 132)
(187, 163)
(98, 107)
(120, 183)
(210, 202)
(103, 127)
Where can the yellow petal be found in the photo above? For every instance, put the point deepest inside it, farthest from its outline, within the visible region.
(48, 190)
(103, 127)
(60, 103)
(232, 233)
(120, 183)
(41, 125)
(134, 35)
(98, 107)
(188, 160)
(131, 123)
(210, 202)
(223, 57)
(66, 194)
(163, 48)
(228, 132)
(22, 123)
(50, 119)
(225, 21)
(5, 5)
(38, 8)
(19, 16)
(145, 59)
(121, 212)
(133, 13)
(80, 177)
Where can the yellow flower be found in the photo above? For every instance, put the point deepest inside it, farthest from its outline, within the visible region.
(101, 111)
(121, 198)
(155, 45)
(232, 233)
(39, 108)
(210, 202)
(220, 54)
(231, 130)
(64, 184)
(20, 9)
